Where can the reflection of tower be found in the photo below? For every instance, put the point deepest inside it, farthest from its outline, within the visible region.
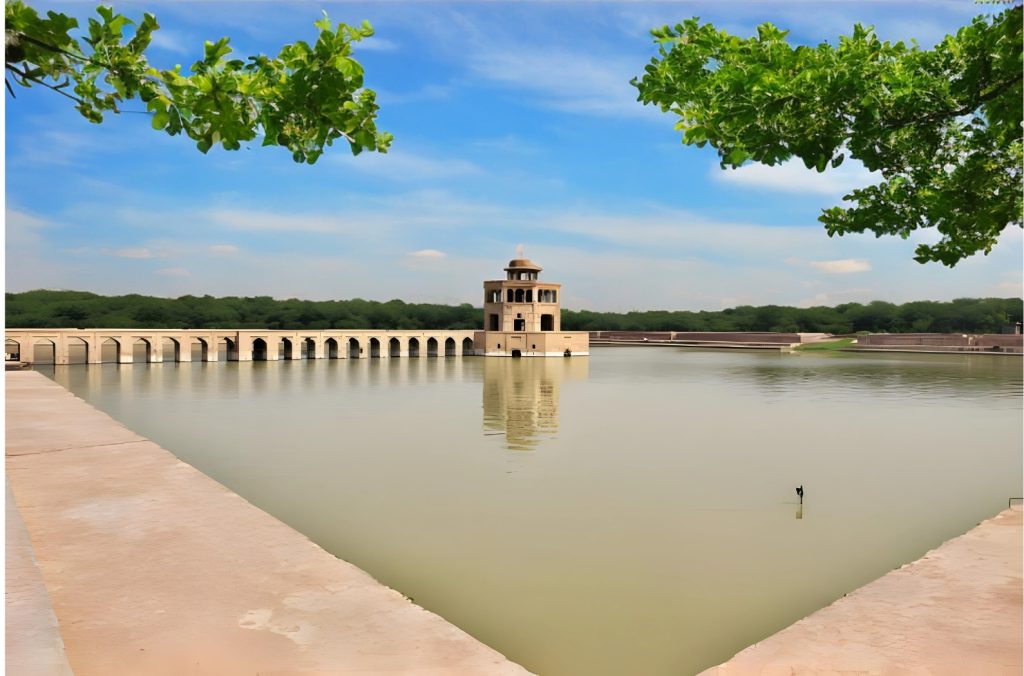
(521, 397)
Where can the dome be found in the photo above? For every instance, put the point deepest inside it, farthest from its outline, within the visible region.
(522, 264)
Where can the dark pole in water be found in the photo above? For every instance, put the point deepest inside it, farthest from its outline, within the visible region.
(800, 493)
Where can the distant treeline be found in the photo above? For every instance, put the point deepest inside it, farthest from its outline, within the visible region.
(77, 309)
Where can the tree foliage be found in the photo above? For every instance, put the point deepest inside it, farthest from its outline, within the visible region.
(964, 315)
(304, 99)
(942, 126)
(71, 309)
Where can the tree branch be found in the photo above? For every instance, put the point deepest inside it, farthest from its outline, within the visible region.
(964, 110)
(25, 76)
(53, 48)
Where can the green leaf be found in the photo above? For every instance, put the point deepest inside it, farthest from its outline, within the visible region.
(160, 119)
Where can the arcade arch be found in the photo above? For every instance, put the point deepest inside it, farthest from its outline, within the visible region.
(44, 351)
(259, 349)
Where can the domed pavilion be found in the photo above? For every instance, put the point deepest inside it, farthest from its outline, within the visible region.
(523, 318)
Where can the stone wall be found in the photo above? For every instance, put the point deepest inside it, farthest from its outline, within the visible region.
(988, 342)
(709, 336)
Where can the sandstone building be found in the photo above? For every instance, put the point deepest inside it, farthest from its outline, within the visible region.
(523, 317)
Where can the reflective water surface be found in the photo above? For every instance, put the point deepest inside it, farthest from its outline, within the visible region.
(630, 513)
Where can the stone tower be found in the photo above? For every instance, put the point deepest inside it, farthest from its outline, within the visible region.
(521, 302)
(523, 317)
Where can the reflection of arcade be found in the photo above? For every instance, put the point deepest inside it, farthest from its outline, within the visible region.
(521, 397)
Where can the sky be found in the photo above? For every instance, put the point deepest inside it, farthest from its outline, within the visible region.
(514, 124)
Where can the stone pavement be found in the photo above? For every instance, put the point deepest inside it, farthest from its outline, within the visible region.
(956, 611)
(154, 568)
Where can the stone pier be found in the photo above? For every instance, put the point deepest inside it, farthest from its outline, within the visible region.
(154, 568)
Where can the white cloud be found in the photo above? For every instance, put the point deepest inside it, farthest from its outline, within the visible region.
(427, 92)
(793, 176)
(375, 217)
(131, 252)
(223, 249)
(173, 272)
(841, 267)
(511, 144)
(174, 41)
(538, 62)
(400, 165)
(389, 247)
(23, 227)
(375, 44)
(572, 81)
(255, 220)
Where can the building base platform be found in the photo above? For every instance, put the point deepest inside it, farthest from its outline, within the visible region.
(530, 344)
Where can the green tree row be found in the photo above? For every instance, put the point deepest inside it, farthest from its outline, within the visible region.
(77, 309)
(963, 315)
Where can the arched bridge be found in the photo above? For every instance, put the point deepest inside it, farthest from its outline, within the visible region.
(125, 346)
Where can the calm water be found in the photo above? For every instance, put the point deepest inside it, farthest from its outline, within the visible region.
(633, 513)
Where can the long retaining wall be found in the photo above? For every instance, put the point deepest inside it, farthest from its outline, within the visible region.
(738, 337)
(1011, 343)
(154, 568)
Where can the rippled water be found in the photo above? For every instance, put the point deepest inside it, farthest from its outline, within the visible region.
(630, 513)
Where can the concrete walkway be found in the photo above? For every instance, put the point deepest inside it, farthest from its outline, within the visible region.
(32, 638)
(154, 568)
(955, 611)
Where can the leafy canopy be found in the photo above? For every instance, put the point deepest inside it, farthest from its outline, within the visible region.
(941, 126)
(82, 309)
(304, 99)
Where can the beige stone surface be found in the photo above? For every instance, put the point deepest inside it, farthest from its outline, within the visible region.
(154, 568)
(33, 646)
(957, 611)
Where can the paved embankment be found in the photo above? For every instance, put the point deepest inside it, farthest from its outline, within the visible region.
(32, 636)
(955, 611)
(154, 568)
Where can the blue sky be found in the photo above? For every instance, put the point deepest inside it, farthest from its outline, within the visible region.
(514, 124)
